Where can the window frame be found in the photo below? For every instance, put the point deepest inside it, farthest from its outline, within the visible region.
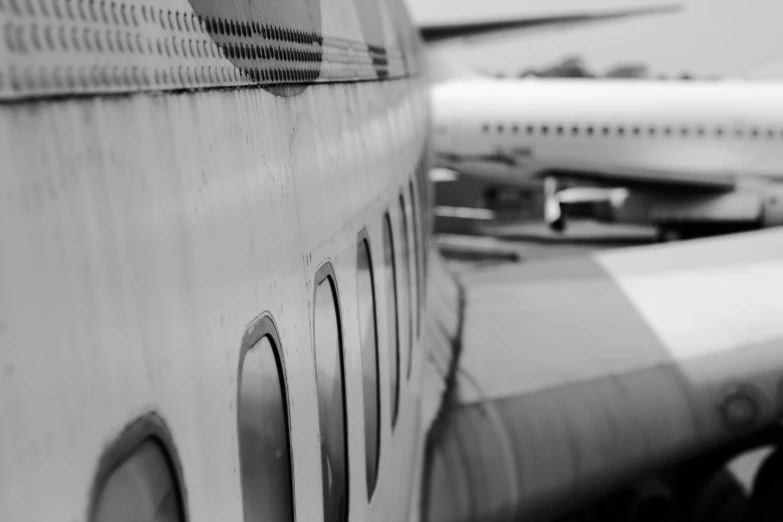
(326, 272)
(415, 234)
(363, 237)
(149, 426)
(264, 326)
(410, 279)
(394, 304)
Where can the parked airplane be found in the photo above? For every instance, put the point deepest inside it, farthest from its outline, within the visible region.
(218, 300)
(694, 156)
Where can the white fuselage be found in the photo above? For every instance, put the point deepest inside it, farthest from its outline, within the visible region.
(520, 127)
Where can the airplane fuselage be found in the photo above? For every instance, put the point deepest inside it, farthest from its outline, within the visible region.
(522, 127)
(217, 301)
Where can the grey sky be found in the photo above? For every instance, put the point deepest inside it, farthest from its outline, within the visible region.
(725, 37)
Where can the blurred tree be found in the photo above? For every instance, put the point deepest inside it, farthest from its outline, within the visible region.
(572, 66)
(631, 70)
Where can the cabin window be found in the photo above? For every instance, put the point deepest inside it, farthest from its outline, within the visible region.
(770, 133)
(142, 488)
(392, 318)
(407, 283)
(589, 130)
(621, 131)
(605, 131)
(416, 220)
(544, 130)
(575, 130)
(637, 131)
(368, 332)
(651, 131)
(684, 131)
(754, 133)
(423, 226)
(264, 449)
(719, 132)
(738, 133)
(500, 128)
(700, 132)
(515, 129)
(530, 129)
(485, 128)
(330, 387)
(559, 130)
(667, 131)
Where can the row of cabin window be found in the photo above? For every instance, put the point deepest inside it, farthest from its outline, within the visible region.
(146, 486)
(632, 130)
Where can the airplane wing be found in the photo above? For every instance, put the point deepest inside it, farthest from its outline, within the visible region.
(577, 376)
(641, 178)
(461, 19)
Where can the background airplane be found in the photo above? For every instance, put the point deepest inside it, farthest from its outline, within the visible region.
(695, 157)
(220, 301)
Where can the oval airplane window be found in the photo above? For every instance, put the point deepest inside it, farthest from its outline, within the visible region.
(142, 488)
(392, 319)
(415, 219)
(365, 295)
(330, 386)
(421, 171)
(264, 450)
(407, 284)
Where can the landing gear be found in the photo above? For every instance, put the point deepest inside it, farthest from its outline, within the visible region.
(719, 499)
(652, 501)
(558, 225)
(666, 235)
(766, 502)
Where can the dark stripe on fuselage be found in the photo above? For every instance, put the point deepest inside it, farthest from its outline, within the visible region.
(267, 41)
(86, 48)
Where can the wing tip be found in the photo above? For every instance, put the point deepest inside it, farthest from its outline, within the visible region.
(447, 30)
